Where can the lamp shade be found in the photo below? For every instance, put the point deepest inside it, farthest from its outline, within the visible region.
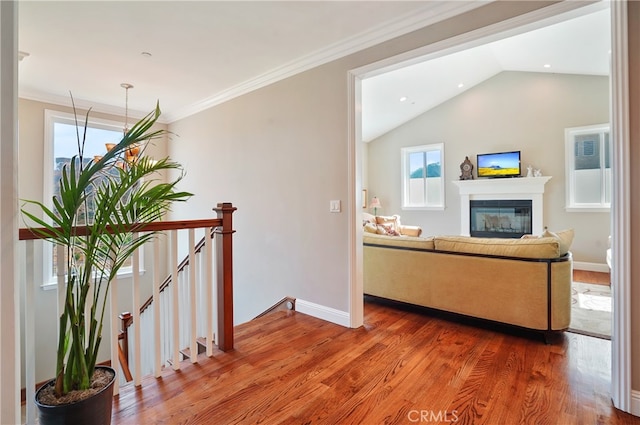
(375, 203)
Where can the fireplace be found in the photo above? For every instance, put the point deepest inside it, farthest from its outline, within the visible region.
(523, 188)
(500, 218)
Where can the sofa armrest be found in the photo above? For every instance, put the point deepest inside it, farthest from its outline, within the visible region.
(410, 230)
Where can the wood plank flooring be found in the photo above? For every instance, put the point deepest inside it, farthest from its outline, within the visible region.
(586, 276)
(404, 366)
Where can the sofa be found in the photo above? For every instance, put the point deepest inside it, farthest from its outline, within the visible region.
(520, 282)
(388, 225)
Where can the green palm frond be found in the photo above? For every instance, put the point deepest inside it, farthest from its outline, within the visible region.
(124, 196)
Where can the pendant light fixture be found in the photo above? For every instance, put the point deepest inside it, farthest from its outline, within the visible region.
(132, 153)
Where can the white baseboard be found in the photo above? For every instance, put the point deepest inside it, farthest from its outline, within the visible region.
(591, 267)
(322, 312)
(635, 403)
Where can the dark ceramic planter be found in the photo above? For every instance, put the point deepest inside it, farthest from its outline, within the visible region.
(95, 410)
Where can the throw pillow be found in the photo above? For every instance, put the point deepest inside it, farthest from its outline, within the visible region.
(390, 230)
(389, 220)
(381, 230)
(564, 237)
(370, 228)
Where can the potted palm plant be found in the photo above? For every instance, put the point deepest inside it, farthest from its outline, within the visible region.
(100, 202)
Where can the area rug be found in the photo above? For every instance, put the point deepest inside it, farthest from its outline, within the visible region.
(591, 310)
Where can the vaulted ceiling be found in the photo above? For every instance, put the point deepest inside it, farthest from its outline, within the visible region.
(580, 45)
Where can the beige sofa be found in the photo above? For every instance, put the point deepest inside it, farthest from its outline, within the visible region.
(521, 282)
(388, 225)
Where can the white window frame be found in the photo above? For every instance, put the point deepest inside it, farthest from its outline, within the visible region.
(404, 157)
(570, 184)
(50, 118)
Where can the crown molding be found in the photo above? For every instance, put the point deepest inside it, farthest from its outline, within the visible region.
(85, 105)
(405, 24)
(431, 13)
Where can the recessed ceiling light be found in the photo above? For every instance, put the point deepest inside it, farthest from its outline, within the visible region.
(461, 85)
(403, 98)
(547, 65)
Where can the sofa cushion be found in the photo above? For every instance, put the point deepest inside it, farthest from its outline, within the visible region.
(410, 230)
(402, 242)
(544, 247)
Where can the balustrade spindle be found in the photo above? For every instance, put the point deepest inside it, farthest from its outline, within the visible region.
(157, 343)
(175, 302)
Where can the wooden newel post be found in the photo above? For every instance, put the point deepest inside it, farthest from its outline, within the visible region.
(224, 267)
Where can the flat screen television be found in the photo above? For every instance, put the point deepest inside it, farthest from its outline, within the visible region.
(499, 164)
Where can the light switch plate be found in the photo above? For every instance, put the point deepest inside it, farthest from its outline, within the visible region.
(334, 206)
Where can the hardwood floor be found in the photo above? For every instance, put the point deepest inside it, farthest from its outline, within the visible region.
(591, 277)
(404, 366)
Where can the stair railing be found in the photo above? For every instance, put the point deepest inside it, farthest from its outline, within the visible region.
(217, 254)
(193, 268)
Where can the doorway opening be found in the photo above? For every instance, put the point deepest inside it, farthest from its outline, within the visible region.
(554, 13)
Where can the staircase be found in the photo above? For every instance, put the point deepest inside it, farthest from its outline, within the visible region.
(190, 316)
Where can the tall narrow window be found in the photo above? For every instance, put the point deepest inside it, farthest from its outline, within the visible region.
(588, 168)
(423, 177)
(60, 145)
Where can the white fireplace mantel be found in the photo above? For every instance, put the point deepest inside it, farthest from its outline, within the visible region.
(527, 188)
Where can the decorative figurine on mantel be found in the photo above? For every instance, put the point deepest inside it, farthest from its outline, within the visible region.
(467, 169)
(530, 171)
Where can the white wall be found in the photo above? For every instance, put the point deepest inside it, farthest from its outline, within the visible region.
(273, 155)
(511, 111)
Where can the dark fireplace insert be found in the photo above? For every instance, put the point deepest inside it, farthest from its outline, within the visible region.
(503, 218)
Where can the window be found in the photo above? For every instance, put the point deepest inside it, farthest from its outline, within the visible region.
(60, 145)
(423, 177)
(588, 168)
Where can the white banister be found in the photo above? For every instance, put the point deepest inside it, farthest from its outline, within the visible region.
(213, 284)
(157, 281)
(193, 346)
(137, 377)
(114, 314)
(183, 303)
(208, 276)
(61, 268)
(30, 334)
(175, 311)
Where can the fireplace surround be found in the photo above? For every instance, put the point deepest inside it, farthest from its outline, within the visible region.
(519, 188)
